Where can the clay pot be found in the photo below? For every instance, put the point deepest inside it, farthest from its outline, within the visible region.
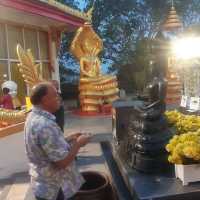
(96, 187)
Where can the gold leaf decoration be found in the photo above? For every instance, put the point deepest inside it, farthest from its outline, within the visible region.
(12, 116)
(27, 66)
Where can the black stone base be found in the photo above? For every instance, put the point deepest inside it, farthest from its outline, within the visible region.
(157, 186)
(150, 164)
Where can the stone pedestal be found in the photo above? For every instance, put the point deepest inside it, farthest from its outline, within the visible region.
(156, 186)
(140, 141)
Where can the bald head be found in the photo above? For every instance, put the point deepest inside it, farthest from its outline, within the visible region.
(45, 95)
(38, 92)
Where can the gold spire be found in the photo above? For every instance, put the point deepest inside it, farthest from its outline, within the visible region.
(90, 12)
(173, 22)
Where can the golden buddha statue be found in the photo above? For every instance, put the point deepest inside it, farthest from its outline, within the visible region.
(95, 88)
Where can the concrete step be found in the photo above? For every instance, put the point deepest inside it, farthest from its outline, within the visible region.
(4, 191)
(18, 191)
(15, 188)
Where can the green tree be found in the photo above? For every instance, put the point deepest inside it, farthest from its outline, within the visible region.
(128, 29)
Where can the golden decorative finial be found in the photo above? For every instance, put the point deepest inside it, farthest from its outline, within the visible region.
(27, 66)
(173, 22)
(90, 12)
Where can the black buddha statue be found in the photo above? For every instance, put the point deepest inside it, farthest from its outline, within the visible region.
(145, 133)
(152, 134)
(155, 106)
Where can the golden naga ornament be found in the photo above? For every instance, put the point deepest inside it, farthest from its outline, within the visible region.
(28, 69)
(27, 66)
(95, 88)
(12, 116)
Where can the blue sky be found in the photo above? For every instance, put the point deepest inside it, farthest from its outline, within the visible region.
(81, 4)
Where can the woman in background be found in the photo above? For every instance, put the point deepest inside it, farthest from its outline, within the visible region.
(6, 100)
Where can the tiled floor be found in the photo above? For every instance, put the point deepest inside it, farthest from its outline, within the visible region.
(100, 126)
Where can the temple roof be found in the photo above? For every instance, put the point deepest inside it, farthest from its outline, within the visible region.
(66, 9)
(43, 13)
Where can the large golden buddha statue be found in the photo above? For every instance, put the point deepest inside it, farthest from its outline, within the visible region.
(95, 88)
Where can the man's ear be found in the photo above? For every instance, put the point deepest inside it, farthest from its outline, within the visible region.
(44, 100)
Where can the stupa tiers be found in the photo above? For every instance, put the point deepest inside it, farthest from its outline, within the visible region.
(172, 22)
(172, 25)
(174, 86)
(95, 88)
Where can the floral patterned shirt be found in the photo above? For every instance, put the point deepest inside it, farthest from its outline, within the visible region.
(46, 144)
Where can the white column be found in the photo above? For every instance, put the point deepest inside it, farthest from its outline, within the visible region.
(55, 74)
